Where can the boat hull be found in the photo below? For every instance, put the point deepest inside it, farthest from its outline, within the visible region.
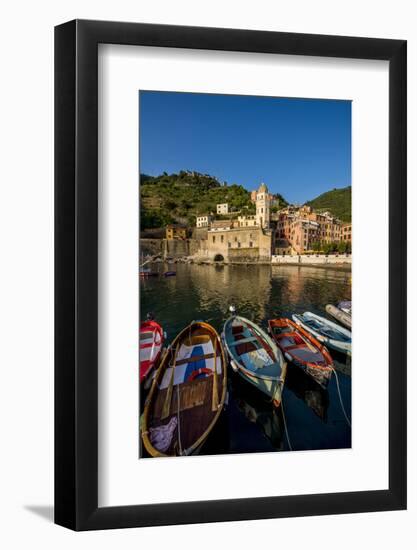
(150, 347)
(271, 388)
(302, 350)
(255, 356)
(341, 316)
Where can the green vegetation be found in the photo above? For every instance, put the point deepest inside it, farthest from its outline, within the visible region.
(179, 198)
(341, 247)
(336, 201)
(183, 196)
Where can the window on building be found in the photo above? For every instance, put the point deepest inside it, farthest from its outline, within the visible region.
(229, 245)
(221, 238)
(250, 244)
(214, 238)
(235, 239)
(238, 244)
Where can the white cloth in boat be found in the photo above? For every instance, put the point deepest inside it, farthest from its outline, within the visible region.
(161, 436)
(257, 358)
(185, 352)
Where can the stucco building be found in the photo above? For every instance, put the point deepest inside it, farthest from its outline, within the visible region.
(346, 232)
(223, 208)
(176, 231)
(203, 221)
(234, 243)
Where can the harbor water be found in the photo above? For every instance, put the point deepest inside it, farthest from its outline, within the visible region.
(249, 423)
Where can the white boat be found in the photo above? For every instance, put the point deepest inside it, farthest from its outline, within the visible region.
(331, 334)
(255, 356)
(340, 315)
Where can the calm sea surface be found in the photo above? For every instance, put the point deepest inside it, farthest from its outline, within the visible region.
(249, 422)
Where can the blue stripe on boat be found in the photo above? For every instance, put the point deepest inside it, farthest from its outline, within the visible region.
(191, 367)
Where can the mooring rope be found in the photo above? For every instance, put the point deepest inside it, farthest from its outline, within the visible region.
(285, 425)
(178, 419)
(340, 397)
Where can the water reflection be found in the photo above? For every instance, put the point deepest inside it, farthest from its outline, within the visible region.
(258, 409)
(260, 292)
(306, 389)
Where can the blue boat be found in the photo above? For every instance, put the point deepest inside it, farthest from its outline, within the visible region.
(255, 356)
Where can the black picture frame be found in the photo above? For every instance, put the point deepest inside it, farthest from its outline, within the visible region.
(76, 271)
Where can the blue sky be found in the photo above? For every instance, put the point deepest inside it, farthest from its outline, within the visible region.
(298, 147)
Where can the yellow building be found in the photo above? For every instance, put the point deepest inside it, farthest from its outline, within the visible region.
(175, 231)
(346, 232)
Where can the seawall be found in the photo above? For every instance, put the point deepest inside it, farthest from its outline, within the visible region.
(313, 259)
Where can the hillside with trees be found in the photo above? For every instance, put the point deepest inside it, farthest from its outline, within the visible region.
(171, 198)
(336, 201)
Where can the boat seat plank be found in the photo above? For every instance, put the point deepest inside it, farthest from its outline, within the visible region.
(194, 359)
(243, 341)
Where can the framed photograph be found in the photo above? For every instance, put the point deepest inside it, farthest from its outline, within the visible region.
(230, 244)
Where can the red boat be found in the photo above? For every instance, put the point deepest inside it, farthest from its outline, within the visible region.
(302, 349)
(151, 341)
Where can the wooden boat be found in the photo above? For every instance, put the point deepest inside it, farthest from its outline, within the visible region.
(151, 340)
(255, 356)
(187, 394)
(302, 349)
(327, 332)
(170, 273)
(341, 316)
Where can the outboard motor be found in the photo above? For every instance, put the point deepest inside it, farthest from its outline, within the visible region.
(232, 309)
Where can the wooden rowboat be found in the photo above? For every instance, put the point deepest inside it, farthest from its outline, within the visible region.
(151, 340)
(255, 356)
(187, 394)
(325, 331)
(341, 316)
(302, 349)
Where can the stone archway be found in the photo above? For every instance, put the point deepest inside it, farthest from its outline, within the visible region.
(218, 258)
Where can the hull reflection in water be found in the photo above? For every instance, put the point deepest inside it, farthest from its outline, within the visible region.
(313, 395)
(259, 410)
